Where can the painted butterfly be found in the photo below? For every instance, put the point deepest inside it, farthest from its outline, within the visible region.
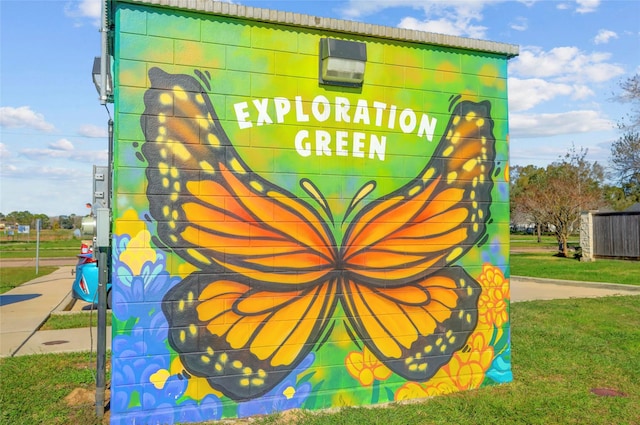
(270, 274)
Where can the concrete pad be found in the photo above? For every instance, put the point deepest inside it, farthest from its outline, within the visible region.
(10, 342)
(63, 341)
(529, 289)
(25, 308)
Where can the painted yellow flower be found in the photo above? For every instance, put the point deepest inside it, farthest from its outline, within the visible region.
(492, 304)
(138, 250)
(440, 384)
(468, 366)
(366, 368)
(197, 387)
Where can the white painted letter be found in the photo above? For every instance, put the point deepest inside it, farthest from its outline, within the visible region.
(242, 115)
(380, 107)
(392, 117)
(315, 109)
(377, 146)
(283, 106)
(323, 139)
(303, 150)
(427, 127)
(341, 143)
(342, 109)
(263, 115)
(300, 115)
(407, 127)
(358, 145)
(362, 112)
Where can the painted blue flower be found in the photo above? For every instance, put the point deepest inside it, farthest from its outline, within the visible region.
(210, 408)
(500, 370)
(289, 394)
(140, 350)
(494, 254)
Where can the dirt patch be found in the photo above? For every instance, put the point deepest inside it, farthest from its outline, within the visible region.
(83, 400)
(80, 396)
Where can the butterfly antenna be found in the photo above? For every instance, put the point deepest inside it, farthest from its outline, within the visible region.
(352, 335)
(204, 78)
(313, 191)
(453, 100)
(364, 191)
(327, 335)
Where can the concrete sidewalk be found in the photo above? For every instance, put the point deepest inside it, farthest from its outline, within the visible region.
(24, 309)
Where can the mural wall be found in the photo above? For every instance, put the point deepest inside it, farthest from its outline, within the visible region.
(280, 243)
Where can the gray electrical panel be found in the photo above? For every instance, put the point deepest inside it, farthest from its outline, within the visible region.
(101, 189)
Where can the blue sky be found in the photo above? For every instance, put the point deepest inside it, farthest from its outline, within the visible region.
(573, 56)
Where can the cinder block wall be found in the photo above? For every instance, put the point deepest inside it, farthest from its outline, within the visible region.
(282, 244)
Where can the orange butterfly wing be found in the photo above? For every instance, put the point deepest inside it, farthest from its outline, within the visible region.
(268, 260)
(265, 291)
(406, 303)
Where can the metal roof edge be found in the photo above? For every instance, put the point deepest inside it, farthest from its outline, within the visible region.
(331, 24)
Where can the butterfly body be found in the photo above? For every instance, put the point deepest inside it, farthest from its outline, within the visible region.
(271, 274)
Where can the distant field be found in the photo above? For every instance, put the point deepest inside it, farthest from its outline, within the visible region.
(549, 266)
(531, 241)
(53, 243)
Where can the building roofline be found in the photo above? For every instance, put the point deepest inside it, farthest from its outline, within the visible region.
(331, 24)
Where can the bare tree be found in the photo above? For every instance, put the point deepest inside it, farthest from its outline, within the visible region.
(556, 195)
(630, 94)
(570, 186)
(625, 152)
(526, 184)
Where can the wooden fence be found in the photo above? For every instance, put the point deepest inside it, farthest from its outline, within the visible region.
(616, 234)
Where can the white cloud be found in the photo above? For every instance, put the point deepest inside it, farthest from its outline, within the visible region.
(565, 64)
(452, 18)
(356, 8)
(544, 125)
(23, 116)
(4, 151)
(85, 9)
(62, 145)
(90, 130)
(90, 8)
(519, 24)
(587, 6)
(39, 172)
(604, 36)
(64, 149)
(527, 93)
(444, 26)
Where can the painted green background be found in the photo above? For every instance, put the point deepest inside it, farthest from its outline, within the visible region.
(250, 60)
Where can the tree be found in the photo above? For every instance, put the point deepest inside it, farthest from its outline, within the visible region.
(631, 94)
(625, 163)
(570, 186)
(45, 221)
(556, 195)
(526, 182)
(625, 152)
(19, 217)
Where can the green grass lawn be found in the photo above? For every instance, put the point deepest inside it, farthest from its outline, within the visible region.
(560, 351)
(549, 266)
(11, 277)
(23, 249)
(531, 241)
(33, 389)
(73, 320)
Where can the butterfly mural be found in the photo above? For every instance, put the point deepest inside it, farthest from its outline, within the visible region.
(271, 276)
